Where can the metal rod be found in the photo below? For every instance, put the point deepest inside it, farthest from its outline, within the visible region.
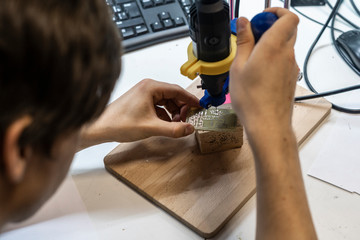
(286, 4)
(267, 3)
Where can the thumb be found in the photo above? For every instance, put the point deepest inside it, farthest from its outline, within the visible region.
(245, 41)
(173, 129)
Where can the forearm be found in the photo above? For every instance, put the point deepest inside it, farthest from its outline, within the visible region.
(90, 135)
(282, 208)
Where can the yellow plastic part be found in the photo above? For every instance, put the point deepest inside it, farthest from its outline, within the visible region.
(194, 67)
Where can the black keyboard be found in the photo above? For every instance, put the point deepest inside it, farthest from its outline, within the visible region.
(146, 22)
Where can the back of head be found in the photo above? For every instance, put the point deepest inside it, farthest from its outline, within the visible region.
(59, 60)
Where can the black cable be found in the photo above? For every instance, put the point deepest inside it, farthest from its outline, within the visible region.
(354, 6)
(315, 42)
(311, 19)
(343, 18)
(341, 53)
(336, 107)
(237, 8)
(328, 93)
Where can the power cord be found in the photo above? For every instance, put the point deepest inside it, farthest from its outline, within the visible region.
(328, 93)
(342, 17)
(355, 7)
(346, 59)
(332, 15)
(312, 19)
(336, 107)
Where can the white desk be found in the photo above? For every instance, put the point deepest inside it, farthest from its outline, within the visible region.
(92, 204)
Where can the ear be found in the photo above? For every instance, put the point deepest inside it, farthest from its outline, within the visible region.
(14, 160)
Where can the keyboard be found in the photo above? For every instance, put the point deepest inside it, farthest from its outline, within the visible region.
(147, 22)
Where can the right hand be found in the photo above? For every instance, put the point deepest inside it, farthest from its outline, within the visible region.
(137, 115)
(263, 76)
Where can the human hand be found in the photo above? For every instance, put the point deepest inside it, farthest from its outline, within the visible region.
(263, 76)
(140, 113)
(262, 86)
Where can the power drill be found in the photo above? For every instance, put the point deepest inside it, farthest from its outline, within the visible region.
(213, 46)
(211, 52)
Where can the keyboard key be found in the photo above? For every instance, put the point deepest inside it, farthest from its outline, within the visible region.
(187, 10)
(185, 2)
(130, 22)
(116, 8)
(164, 15)
(147, 3)
(138, 20)
(179, 21)
(122, 16)
(109, 2)
(158, 2)
(157, 26)
(121, 1)
(132, 9)
(127, 32)
(141, 29)
(168, 23)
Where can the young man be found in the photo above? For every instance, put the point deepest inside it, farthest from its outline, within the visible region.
(59, 61)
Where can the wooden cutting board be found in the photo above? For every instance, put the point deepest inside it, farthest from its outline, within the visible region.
(201, 191)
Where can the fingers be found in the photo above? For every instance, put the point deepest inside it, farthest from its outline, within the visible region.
(245, 41)
(165, 98)
(283, 12)
(177, 113)
(172, 129)
(175, 99)
(164, 91)
(285, 28)
(183, 113)
(162, 114)
(178, 110)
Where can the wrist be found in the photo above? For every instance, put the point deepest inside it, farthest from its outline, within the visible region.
(268, 139)
(90, 135)
(258, 130)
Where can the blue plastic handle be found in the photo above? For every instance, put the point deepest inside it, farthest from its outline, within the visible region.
(207, 100)
(261, 22)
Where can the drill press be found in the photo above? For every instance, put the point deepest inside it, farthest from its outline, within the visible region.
(213, 47)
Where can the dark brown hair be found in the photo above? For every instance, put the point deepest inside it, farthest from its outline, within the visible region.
(59, 61)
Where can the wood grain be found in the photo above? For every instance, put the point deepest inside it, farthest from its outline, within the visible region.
(203, 191)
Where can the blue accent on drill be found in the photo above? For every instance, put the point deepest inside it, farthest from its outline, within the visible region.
(262, 22)
(233, 26)
(207, 101)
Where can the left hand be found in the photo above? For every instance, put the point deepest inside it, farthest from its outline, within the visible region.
(140, 113)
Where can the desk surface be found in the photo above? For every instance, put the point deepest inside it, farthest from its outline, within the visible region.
(92, 204)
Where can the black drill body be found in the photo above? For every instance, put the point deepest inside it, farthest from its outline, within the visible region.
(210, 34)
